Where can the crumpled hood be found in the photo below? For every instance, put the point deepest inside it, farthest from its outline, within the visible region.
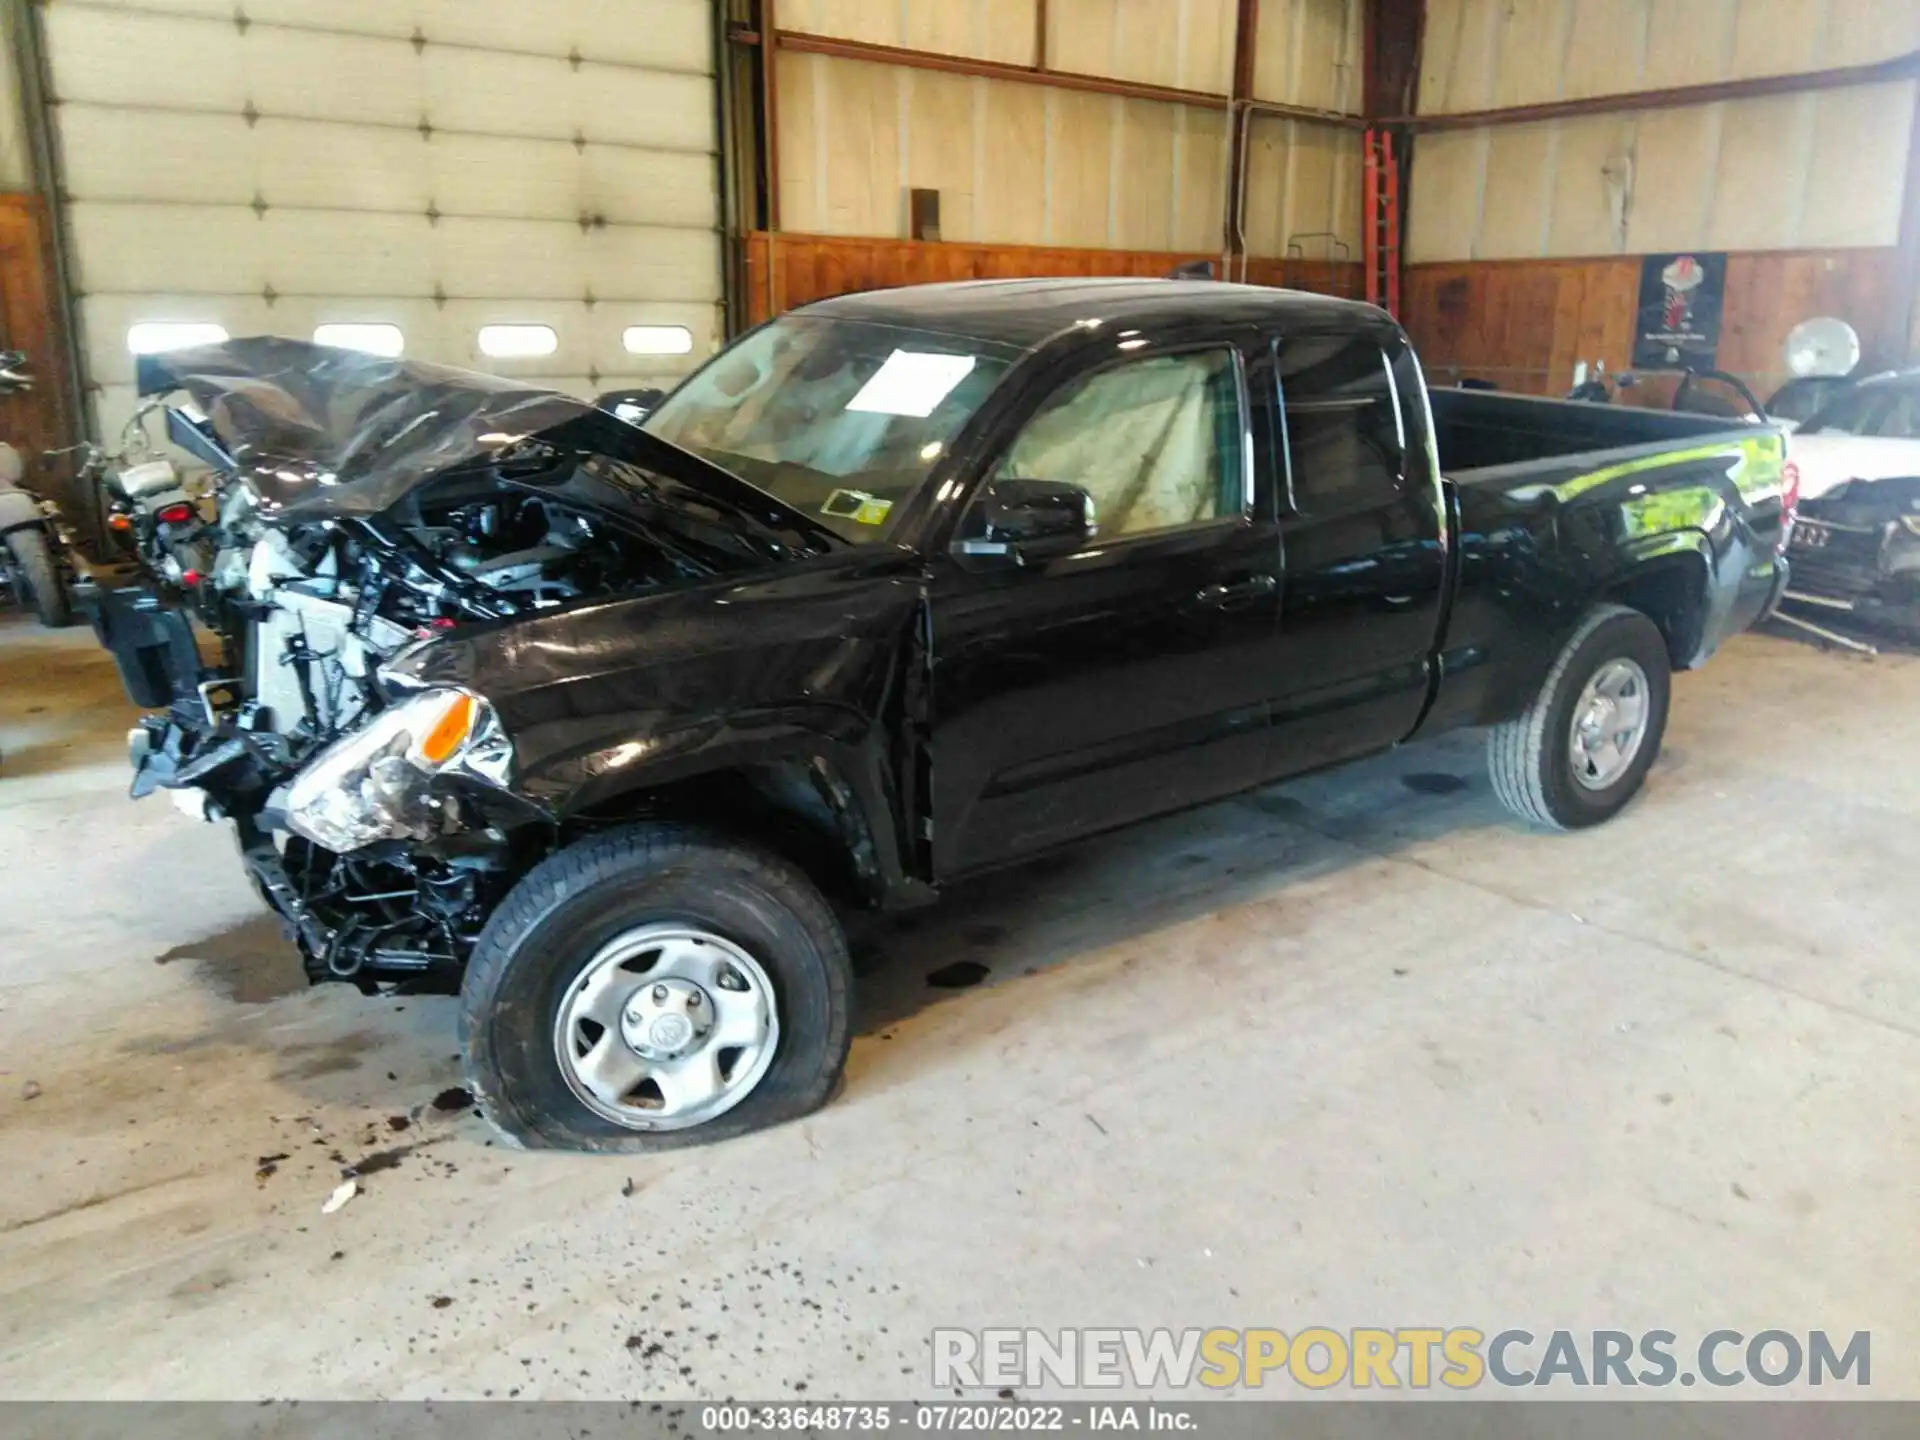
(320, 432)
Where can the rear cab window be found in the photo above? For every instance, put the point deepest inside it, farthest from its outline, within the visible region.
(1348, 421)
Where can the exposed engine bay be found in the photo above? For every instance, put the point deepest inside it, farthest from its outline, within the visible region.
(367, 507)
(320, 607)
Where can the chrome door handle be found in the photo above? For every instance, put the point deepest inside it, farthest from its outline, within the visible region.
(1240, 592)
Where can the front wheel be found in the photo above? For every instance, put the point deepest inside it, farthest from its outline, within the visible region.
(655, 987)
(38, 576)
(1581, 750)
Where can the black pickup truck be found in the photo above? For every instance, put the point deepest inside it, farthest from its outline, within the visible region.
(899, 588)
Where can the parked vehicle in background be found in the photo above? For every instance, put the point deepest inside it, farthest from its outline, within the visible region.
(1804, 396)
(598, 724)
(1871, 431)
(1856, 553)
(36, 557)
(155, 515)
(1856, 541)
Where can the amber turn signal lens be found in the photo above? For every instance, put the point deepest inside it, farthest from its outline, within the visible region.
(450, 731)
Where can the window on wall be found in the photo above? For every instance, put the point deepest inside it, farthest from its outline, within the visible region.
(518, 342)
(152, 337)
(658, 340)
(1346, 446)
(1158, 443)
(383, 340)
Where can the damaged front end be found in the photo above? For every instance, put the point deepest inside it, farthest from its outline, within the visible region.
(369, 511)
(384, 850)
(389, 848)
(1856, 550)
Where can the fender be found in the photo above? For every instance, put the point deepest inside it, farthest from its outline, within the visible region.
(1671, 578)
(19, 511)
(798, 670)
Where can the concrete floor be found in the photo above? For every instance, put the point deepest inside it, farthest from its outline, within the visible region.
(1352, 1052)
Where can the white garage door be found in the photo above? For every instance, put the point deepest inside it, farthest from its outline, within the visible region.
(439, 167)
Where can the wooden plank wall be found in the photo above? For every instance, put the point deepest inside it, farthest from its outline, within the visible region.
(786, 269)
(1524, 323)
(30, 320)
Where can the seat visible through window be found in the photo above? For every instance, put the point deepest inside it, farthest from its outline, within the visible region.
(1156, 442)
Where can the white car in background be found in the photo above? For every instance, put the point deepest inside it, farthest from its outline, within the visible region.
(1855, 541)
(1870, 432)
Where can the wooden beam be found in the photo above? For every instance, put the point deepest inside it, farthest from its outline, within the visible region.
(1246, 28)
(1391, 52)
(1907, 292)
(1033, 75)
(770, 109)
(1901, 67)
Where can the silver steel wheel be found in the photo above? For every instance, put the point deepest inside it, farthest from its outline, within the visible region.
(1609, 723)
(666, 1028)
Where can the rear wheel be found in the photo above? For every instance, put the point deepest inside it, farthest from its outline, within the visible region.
(655, 987)
(37, 576)
(1581, 751)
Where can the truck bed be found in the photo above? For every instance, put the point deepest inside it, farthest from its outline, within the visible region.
(1561, 502)
(1481, 430)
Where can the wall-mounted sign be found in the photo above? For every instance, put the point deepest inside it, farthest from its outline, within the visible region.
(1681, 298)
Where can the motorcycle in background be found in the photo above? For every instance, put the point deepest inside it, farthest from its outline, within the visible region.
(153, 515)
(36, 557)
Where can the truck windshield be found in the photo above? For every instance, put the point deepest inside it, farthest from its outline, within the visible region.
(842, 420)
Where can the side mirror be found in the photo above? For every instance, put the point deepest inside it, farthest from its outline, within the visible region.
(632, 406)
(1032, 519)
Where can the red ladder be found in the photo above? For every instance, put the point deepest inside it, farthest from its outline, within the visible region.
(1381, 245)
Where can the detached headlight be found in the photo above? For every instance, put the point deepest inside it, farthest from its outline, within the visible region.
(375, 783)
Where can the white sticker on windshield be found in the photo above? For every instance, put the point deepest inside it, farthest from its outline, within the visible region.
(911, 382)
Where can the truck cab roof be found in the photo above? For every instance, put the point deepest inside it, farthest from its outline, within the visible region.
(1028, 313)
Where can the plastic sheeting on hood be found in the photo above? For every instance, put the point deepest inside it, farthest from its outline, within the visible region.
(319, 431)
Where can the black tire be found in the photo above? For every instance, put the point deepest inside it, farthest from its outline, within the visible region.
(553, 922)
(38, 577)
(1531, 757)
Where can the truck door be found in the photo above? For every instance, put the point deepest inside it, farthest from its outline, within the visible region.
(1363, 526)
(1079, 691)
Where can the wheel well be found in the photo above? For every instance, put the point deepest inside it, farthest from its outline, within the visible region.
(795, 808)
(1673, 596)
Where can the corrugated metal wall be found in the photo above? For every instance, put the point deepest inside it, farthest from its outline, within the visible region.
(16, 162)
(1024, 164)
(1814, 170)
(435, 165)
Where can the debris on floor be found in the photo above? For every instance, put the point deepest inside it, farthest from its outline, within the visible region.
(342, 1193)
